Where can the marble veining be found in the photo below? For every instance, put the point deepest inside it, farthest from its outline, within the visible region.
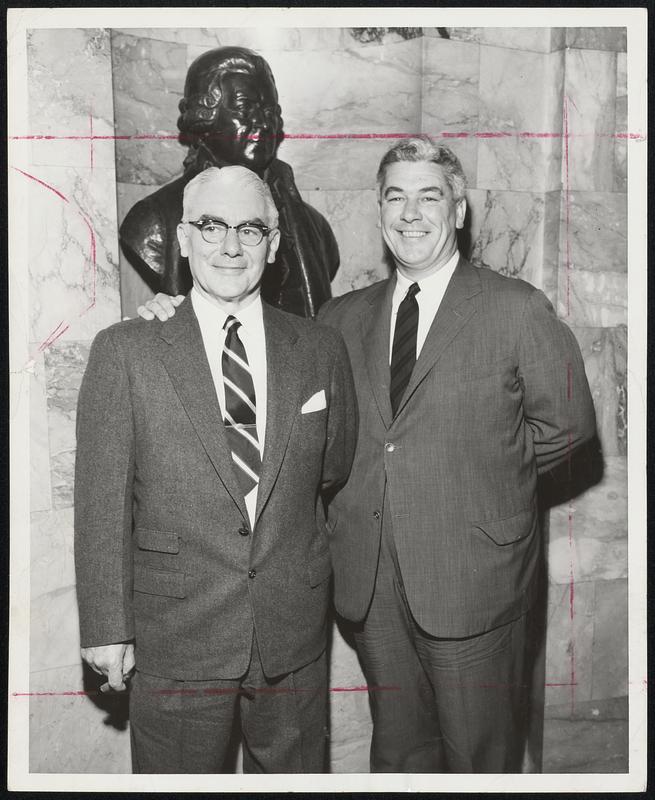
(64, 278)
(605, 355)
(610, 663)
(353, 217)
(594, 231)
(40, 489)
(590, 90)
(51, 552)
(65, 365)
(507, 233)
(569, 643)
(148, 85)
(509, 104)
(599, 38)
(59, 106)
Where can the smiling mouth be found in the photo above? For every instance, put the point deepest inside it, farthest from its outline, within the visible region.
(413, 234)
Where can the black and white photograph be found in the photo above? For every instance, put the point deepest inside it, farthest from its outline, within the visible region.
(320, 400)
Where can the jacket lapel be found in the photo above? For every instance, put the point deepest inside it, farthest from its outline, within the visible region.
(375, 325)
(184, 358)
(454, 312)
(283, 386)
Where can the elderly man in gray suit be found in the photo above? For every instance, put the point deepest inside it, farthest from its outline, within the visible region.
(200, 541)
(468, 387)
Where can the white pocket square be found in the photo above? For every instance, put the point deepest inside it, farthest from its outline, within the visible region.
(315, 403)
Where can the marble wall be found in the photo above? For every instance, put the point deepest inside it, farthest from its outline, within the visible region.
(73, 293)
(502, 98)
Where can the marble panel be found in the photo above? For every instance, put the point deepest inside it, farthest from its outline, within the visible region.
(590, 99)
(595, 542)
(520, 124)
(72, 733)
(261, 39)
(569, 639)
(594, 231)
(610, 660)
(69, 90)
(621, 146)
(148, 85)
(605, 355)
(588, 298)
(536, 39)
(551, 253)
(597, 38)
(350, 717)
(353, 217)
(457, 34)
(54, 630)
(450, 98)
(73, 246)
(51, 551)
(621, 74)
(341, 163)
(507, 234)
(65, 365)
(40, 489)
(134, 290)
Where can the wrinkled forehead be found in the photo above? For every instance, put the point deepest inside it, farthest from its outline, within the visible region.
(231, 199)
(415, 176)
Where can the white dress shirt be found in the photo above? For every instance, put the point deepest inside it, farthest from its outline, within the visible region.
(211, 319)
(429, 299)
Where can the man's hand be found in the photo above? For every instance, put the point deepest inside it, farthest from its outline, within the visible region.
(116, 661)
(161, 306)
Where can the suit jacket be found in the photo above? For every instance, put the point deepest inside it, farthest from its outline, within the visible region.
(497, 395)
(163, 546)
(306, 261)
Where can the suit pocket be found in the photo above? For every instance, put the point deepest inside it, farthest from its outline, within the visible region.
(159, 581)
(320, 568)
(158, 541)
(510, 529)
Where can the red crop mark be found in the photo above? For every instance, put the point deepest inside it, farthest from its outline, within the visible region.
(90, 264)
(567, 206)
(326, 136)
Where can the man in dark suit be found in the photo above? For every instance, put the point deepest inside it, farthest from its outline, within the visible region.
(200, 541)
(468, 387)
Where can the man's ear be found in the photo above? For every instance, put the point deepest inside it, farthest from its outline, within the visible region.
(183, 240)
(272, 246)
(460, 213)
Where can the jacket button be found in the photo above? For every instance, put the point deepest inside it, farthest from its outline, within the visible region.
(244, 531)
(376, 514)
(252, 573)
(390, 447)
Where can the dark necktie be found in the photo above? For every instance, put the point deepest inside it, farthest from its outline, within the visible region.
(403, 353)
(240, 409)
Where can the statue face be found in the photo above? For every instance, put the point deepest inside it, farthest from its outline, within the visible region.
(246, 127)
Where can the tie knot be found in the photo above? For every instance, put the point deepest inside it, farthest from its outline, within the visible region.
(413, 290)
(231, 324)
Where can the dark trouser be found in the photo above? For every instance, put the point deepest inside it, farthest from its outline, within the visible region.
(442, 705)
(185, 726)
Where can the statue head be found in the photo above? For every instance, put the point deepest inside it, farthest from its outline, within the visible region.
(230, 104)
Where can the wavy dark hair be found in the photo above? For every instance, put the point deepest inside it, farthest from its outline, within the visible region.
(202, 90)
(422, 148)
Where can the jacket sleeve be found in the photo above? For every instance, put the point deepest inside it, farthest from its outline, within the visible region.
(557, 403)
(342, 420)
(104, 473)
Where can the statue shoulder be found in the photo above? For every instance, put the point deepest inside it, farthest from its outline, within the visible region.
(158, 210)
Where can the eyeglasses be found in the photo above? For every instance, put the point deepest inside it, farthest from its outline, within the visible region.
(214, 231)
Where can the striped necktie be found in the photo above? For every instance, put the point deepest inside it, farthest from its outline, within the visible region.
(403, 353)
(240, 409)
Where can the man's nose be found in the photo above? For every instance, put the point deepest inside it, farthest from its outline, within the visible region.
(232, 244)
(411, 211)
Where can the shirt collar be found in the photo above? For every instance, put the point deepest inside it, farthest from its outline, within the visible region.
(209, 313)
(433, 282)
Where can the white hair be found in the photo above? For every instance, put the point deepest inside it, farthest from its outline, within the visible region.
(233, 174)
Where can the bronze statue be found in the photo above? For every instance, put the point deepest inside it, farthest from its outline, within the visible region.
(230, 115)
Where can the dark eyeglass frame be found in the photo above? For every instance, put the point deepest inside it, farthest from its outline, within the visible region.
(264, 230)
